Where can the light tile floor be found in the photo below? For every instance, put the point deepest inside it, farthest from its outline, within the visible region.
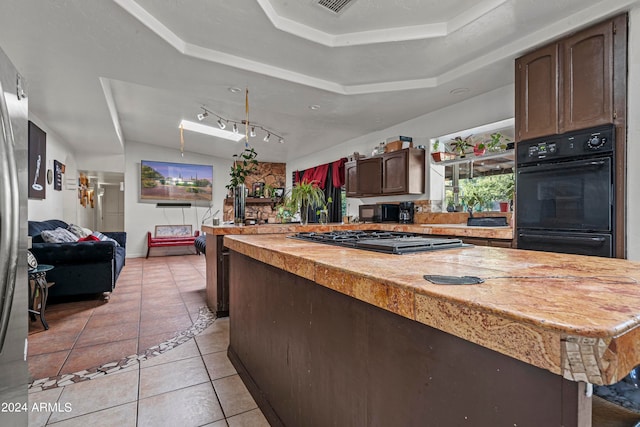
(191, 385)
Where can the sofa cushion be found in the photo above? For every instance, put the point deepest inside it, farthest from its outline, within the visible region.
(59, 235)
(36, 227)
(79, 231)
(104, 238)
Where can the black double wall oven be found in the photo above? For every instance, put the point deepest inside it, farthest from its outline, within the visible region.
(565, 187)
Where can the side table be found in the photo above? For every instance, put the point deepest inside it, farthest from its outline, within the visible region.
(38, 282)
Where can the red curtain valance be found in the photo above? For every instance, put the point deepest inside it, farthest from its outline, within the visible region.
(319, 174)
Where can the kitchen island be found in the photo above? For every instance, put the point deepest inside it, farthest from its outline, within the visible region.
(218, 259)
(333, 336)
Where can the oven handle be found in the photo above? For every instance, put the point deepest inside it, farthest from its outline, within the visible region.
(542, 238)
(593, 164)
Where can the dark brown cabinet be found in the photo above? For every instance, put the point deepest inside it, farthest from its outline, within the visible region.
(369, 173)
(570, 84)
(403, 172)
(351, 178)
(587, 78)
(537, 93)
(394, 173)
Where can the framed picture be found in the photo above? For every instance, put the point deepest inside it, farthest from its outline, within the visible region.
(162, 181)
(58, 170)
(37, 162)
(258, 189)
(278, 192)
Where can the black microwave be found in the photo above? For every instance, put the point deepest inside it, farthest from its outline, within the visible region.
(383, 212)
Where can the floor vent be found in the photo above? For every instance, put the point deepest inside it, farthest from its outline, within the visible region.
(335, 6)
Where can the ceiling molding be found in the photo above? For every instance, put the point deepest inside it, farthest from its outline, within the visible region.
(385, 35)
(113, 110)
(516, 47)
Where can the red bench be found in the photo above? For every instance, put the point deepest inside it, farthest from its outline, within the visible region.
(171, 235)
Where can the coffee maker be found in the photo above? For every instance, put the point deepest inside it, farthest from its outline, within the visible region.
(405, 214)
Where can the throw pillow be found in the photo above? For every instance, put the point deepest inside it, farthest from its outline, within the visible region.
(104, 238)
(86, 231)
(89, 238)
(59, 235)
(78, 231)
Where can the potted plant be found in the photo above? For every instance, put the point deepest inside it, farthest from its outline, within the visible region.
(439, 156)
(497, 142)
(304, 195)
(285, 209)
(243, 165)
(323, 212)
(479, 149)
(460, 145)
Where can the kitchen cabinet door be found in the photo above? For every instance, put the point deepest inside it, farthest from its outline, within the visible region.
(351, 179)
(369, 176)
(403, 172)
(394, 172)
(536, 108)
(587, 78)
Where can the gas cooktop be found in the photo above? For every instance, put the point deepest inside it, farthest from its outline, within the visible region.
(391, 242)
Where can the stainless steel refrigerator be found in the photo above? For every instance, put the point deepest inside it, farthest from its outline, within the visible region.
(13, 246)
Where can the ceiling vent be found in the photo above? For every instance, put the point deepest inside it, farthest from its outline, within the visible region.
(335, 6)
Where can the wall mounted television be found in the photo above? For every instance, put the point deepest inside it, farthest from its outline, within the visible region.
(183, 182)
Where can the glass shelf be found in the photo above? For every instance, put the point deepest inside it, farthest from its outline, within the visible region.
(497, 157)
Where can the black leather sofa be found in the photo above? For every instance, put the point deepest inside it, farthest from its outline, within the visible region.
(80, 267)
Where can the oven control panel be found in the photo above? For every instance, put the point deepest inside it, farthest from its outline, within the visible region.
(542, 149)
(579, 144)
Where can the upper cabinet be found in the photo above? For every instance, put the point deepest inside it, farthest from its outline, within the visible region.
(570, 84)
(393, 173)
(587, 78)
(369, 173)
(537, 93)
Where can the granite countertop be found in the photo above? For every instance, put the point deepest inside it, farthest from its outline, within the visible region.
(575, 316)
(461, 230)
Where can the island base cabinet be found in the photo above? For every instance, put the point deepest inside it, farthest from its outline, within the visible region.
(311, 356)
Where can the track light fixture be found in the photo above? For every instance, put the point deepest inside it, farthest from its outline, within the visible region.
(250, 127)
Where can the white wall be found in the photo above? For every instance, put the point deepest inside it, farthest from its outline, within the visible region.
(486, 108)
(633, 138)
(139, 218)
(57, 204)
(102, 163)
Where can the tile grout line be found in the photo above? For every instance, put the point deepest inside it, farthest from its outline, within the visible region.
(205, 319)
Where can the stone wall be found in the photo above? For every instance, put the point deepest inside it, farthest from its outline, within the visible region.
(273, 174)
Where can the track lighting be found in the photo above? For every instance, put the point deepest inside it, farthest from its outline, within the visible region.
(250, 127)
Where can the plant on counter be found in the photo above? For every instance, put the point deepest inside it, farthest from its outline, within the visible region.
(304, 195)
(243, 165)
(285, 209)
(323, 212)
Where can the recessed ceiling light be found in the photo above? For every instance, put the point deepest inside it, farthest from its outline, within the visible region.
(209, 130)
(459, 91)
(314, 107)
(234, 89)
